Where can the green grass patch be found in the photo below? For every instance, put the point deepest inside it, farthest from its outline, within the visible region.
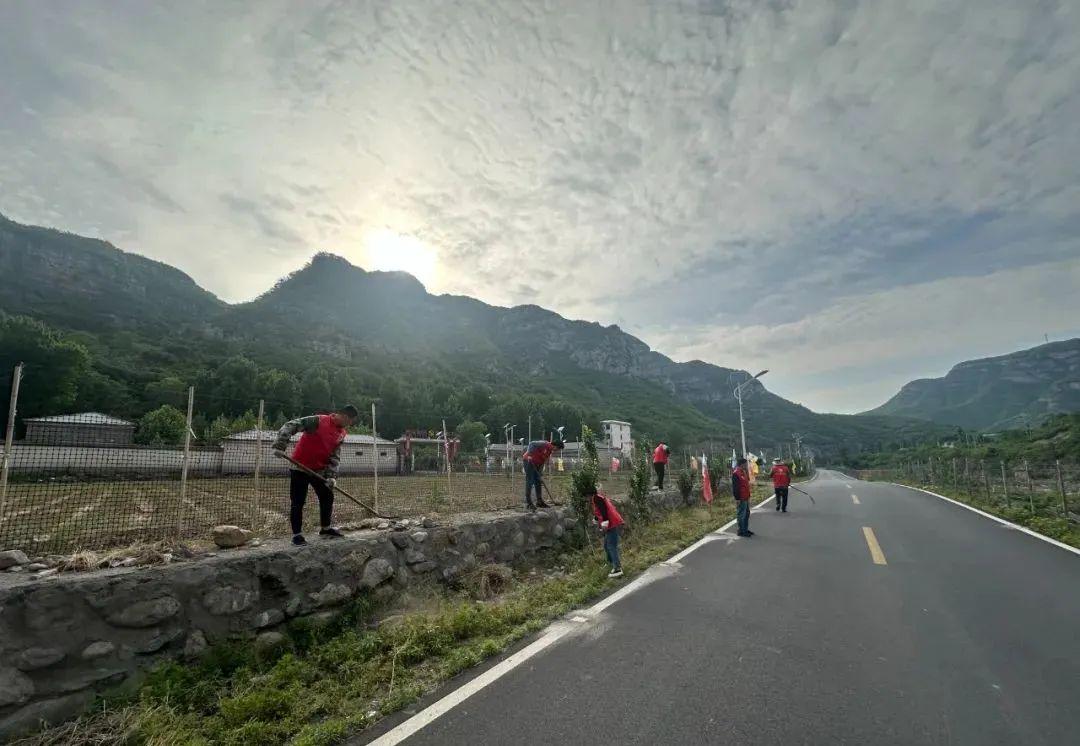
(336, 679)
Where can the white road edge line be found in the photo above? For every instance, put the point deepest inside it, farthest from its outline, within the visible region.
(551, 634)
(993, 517)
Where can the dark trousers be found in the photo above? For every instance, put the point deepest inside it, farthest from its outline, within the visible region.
(298, 486)
(532, 478)
(659, 469)
(611, 548)
(742, 514)
(781, 498)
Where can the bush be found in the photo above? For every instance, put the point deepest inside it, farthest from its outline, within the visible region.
(583, 482)
(640, 480)
(165, 425)
(684, 480)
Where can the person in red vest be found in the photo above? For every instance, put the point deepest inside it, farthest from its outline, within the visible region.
(319, 450)
(607, 516)
(659, 463)
(536, 455)
(740, 490)
(781, 480)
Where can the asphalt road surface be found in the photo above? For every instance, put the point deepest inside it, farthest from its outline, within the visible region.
(880, 615)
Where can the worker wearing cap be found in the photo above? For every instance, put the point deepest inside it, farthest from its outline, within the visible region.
(781, 479)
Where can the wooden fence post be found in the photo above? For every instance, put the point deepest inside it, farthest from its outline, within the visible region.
(1031, 487)
(187, 454)
(9, 434)
(258, 464)
(1005, 485)
(1061, 489)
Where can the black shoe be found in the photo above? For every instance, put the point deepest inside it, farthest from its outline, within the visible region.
(785, 510)
(530, 507)
(541, 504)
(743, 533)
(299, 540)
(331, 533)
(749, 533)
(778, 507)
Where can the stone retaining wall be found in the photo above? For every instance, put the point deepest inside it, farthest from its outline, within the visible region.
(65, 638)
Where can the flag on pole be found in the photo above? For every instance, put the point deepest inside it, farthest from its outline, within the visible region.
(706, 485)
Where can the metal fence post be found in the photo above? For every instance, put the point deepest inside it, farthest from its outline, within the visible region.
(187, 454)
(954, 474)
(258, 463)
(375, 450)
(986, 480)
(446, 450)
(1061, 489)
(1005, 485)
(1031, 487)
(9, 434)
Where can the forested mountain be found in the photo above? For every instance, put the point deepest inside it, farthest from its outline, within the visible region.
(133, 334)
(1009, 391)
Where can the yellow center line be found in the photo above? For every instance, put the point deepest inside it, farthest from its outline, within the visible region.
(855, 498)
(875, 548)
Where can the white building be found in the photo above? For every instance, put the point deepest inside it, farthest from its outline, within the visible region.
(617, 435)
(357, 454)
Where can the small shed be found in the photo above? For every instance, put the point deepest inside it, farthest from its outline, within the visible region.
(80, 429)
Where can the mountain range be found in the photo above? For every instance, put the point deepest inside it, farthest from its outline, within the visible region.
(149, 328)
(997, 393)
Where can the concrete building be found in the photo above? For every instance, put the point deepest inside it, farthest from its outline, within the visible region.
(617, 435)
(82, 429)
(357, 454)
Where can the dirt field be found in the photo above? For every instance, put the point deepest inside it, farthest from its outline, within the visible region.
(55, 517)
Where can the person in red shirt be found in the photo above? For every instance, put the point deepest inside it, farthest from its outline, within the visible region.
(740, 490)
(607, 516)
(659, 463)
(319, 450)
(781, 479)
(536, 455)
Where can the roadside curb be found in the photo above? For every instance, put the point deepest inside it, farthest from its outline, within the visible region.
(991, 516)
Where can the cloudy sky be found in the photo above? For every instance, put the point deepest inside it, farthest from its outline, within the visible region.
(853, 194)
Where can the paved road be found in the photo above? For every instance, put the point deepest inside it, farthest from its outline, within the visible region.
(968, 634)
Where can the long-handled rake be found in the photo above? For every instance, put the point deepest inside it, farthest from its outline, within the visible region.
(321, 478)
(791, 486)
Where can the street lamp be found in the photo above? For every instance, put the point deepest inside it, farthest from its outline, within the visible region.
(738, 395)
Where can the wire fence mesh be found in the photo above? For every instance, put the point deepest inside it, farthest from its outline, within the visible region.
(1045, 488)
(94, 481)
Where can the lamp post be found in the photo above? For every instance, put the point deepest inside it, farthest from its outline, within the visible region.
(738, 395)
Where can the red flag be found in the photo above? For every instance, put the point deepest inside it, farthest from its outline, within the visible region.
(706, 485)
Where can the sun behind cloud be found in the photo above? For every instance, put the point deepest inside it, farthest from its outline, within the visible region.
(389, 251)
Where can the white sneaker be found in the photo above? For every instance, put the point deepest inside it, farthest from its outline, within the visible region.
(615, 574)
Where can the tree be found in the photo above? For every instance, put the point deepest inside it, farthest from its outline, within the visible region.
(233, 386)
(584, 480)
(281, 390)
(168, 390)
(163, 426)
(472, 436)
(53, 367)
(315, 389)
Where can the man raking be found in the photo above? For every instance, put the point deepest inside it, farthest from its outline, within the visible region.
(660, 459)
(318, 450)
(781, 479)
(536, 455)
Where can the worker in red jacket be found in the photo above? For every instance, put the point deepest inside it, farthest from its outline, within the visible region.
(610, 522)
(781, 480)
(659, 463)
(536, 455)
(317, 450)
(740, 490)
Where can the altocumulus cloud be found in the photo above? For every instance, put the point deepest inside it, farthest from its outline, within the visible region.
(730, 179)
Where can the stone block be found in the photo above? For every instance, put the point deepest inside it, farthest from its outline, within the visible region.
(15, 687)
(32, 659)
(13, 557)
(332, 594)
(229, 600)
(43, 712)
(414, 557)
(419, 537)
(98, 649)
(195, 645)
(399, 540)
(145, 613)
(228, 537)
(377, 572)
(268, 618)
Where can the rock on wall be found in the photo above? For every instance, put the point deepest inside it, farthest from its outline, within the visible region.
(65, 638)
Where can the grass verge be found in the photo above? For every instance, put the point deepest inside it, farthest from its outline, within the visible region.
(1043, 521)
(322, 683)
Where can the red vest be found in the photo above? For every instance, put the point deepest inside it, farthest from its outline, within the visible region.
(781, 475)
(742, 483)
(613, 518)
(660, 455)
(315, 449)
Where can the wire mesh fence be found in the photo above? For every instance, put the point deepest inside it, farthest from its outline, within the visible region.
(1044, 488)
(94, 481)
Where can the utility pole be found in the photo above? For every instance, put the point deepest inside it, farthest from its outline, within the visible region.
(738, 395)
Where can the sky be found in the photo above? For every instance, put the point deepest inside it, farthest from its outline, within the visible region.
(851, 194)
